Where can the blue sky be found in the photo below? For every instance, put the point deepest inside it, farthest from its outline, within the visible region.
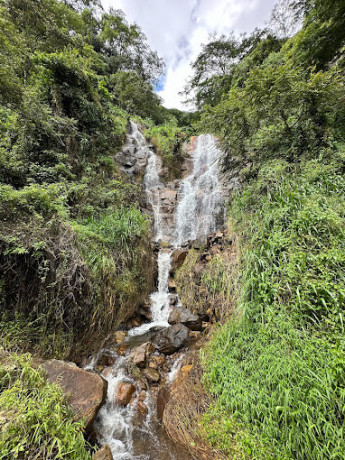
(176, 29)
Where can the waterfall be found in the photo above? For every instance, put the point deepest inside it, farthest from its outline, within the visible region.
(196, 215)
(201, 195)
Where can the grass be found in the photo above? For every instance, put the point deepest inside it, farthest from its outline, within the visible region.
(278, 371)
(35, 422)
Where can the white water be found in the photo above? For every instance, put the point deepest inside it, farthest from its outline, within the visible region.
(196, 214)
(114, 422)
(201, 194)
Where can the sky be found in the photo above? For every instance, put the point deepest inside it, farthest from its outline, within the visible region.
(176, 29)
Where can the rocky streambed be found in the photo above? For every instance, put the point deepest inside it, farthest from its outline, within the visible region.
(133, 372)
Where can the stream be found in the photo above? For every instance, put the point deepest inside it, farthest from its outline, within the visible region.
(197, 213)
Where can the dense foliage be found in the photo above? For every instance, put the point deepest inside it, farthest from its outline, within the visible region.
(276, 369)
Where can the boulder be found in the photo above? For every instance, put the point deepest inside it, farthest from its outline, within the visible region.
(171, 339)
(177, 258)
(185, 317)
(104, 453)
(124, 393)
(142, 353)
(152, 374)
(86, 391)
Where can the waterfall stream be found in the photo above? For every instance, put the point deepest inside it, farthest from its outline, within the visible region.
(199, 206)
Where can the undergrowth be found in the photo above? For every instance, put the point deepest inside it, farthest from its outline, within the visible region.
(279, 370)
(35, 422)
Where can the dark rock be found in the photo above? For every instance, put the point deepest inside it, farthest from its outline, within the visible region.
(85, 390)
(106, 359)
(172, 285)
(171, 339)
(185, 317)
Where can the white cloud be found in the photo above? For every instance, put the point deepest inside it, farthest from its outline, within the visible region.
(178, 28)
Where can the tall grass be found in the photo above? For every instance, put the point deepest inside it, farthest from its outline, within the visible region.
(280, 370)
(35, 422)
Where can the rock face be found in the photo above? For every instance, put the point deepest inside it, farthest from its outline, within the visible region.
(125, 391)
(86, 391)
(171, 339)
(185, 317)
(104, 453)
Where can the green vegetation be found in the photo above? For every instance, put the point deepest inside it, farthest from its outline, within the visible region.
(75, 255)
(74, 249)
(34, 420)
(276, 368)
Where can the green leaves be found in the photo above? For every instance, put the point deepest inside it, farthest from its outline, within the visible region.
(34, 419)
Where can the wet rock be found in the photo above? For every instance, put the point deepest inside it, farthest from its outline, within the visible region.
(136, 322)
(177, 258)
(104, 453)
(160, 360)
(120, 337)
(141, 408)
(107, 372)
(85, 390)
(185, 317)
(121, 350)
(171, 339)
(125, 391)
(173, 299)
(142, 353)
(106, 359)
(145, 312)
(142, 395)
(152, 375)
(153, 364)
(172, 285)
(162, 400)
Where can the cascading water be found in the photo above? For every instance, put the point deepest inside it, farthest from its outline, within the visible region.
(201, 195)
(196, 214)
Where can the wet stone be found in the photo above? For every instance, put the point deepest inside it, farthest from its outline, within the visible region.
(152, 375)
(125, 391)
(185, 317)
(171, 339)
